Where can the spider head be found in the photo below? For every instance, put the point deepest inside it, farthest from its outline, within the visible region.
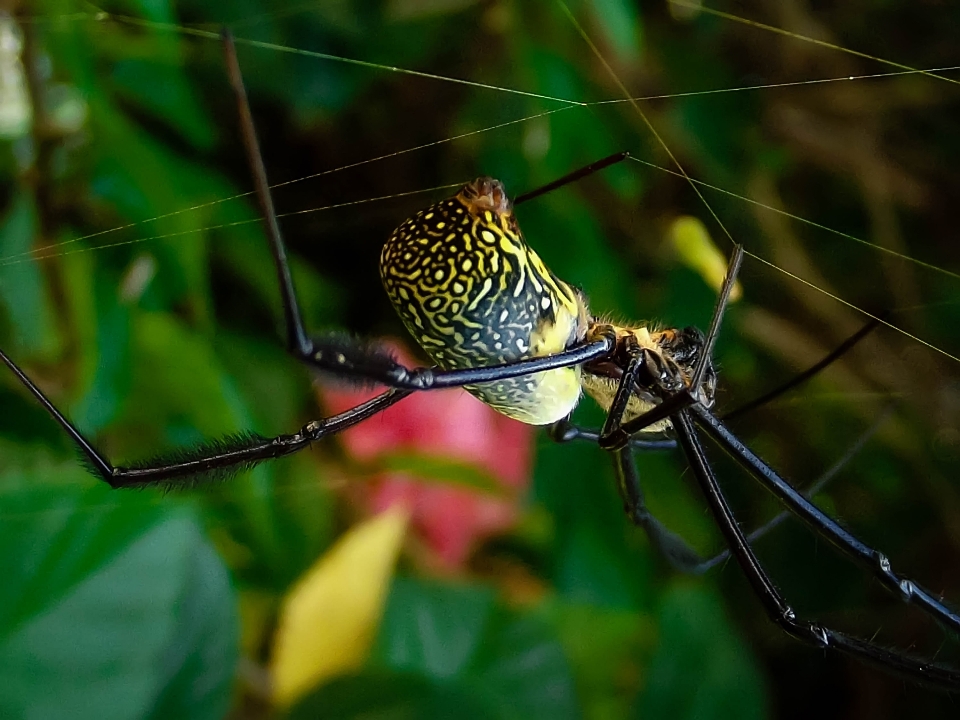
(669, 357)
(683, 349)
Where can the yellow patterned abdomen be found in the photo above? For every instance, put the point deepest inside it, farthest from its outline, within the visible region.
(473, 293)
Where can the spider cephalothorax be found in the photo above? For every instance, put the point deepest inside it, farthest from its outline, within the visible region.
(669, 359)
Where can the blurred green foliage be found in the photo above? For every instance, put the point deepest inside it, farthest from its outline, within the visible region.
(154, 328)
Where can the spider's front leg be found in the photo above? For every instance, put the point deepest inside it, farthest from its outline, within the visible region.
(776, 606)
(347, 357)
(209, 461)
(825, 526)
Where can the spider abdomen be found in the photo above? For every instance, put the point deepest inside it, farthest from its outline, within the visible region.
(473, 294)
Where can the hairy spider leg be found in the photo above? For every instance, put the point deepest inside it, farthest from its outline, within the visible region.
(222, 457)
(212, 460)
(776, 606)
(347, 358)
(674, 549)
(822, 524)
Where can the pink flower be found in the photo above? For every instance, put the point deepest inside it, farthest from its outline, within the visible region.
(449, 424)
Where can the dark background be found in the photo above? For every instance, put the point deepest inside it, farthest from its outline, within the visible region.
(171, 335)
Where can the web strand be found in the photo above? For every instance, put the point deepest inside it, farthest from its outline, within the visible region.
(567, 104)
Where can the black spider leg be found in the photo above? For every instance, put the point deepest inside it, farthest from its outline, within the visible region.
(565, 431)
(346, 358)
(672, 546)
(234, 453)
(816, 487)
(811, 371)
(822, 524)
(572, 177)
(776, 606)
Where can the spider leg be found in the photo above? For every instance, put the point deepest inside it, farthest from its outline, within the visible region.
(572, 177)
(353, 361)
(822, 524)
(625, 390)
(817, 486)
(564, 431)
(670, 545)
(342, 356)
(215, 459)
(674, 549)
(616, 435)
(776, 606)
(810, 372)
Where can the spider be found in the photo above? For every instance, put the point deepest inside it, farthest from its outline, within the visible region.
(499, 323)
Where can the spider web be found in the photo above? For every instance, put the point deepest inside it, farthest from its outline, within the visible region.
(720, 203)
(560, 103)
(782, 261)
(798, 303)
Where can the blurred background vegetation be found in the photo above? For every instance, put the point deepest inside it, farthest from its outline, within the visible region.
(154, 328)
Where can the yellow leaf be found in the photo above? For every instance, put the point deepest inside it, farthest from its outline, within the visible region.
(330, 617)
(697, 251)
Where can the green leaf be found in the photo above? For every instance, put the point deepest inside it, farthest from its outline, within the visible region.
(595, 548)
(608, 650)
(509, 662)
(22, 291)
(523, 670)
(162, 90)
(702, 669)
(620, 20)
(388, 695)
(113, 606)
(432, 629)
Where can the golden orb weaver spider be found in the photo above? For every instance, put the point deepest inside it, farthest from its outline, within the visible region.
(645, 380)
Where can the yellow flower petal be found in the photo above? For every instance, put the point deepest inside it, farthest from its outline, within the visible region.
(329, 619)
(698, 252)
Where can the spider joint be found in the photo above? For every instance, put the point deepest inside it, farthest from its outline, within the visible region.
(419, 379)
(563, 431)
(819, 633)
(616, 440)
(908, 589)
